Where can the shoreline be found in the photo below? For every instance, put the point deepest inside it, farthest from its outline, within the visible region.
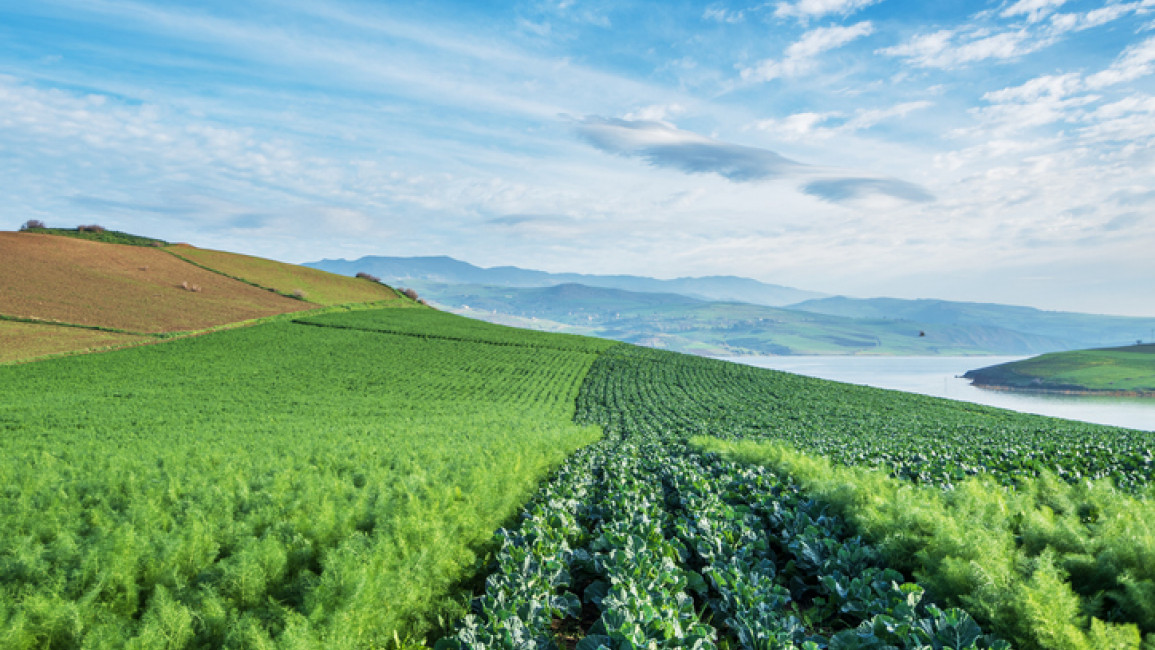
(1141, 394)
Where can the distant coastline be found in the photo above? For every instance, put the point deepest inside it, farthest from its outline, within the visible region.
(1117, 372)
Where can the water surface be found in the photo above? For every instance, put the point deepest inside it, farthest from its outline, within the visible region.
(939, 376)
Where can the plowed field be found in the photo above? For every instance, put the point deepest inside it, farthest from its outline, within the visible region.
(124, 287)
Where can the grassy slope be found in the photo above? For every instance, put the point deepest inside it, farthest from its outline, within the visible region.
(19, 341)
(313, 486)
(105, 236)
(1127, 369)
(317, 286)
(123, 287)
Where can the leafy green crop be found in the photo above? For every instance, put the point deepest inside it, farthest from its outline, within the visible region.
(639, 542)
(923, 439)
(303, 486)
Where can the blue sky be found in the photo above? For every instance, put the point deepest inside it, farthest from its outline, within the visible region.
(998, 152)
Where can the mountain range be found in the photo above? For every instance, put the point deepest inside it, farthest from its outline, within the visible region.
(724, 315)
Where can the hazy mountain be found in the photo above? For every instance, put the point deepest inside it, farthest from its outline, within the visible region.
(415, 271)
(731, 315)
(1074, 330)
(688, 324)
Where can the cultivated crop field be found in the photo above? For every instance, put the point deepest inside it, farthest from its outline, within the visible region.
(335, 481)
(280, 484)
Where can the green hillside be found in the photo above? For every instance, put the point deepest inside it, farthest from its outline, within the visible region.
(1128, 369)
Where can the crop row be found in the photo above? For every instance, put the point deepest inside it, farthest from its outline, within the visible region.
(279, 484)
(1037, 553)
(640, 543)
(918, 438)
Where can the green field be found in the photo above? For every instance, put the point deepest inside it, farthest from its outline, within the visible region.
(336, 481)
(308, 486)
(1129, 369)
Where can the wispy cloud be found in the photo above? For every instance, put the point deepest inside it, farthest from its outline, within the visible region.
(663, 145)
(801, 56)
(723, 15)
(1034, 10)
(830, 124)
(807, 9)
(981, 41)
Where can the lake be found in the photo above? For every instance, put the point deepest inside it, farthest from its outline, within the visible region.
(939, 376)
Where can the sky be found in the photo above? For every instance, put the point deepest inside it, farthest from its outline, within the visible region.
(979, 151)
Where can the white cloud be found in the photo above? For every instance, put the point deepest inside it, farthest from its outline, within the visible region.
(806, 9)
(656, 113)
(723, 15)
(800, 55)
(810, 125)
(1135, 62)
(798, 125)
(866, 118)
(1035, 10)
(1045, 86)
(949, 48)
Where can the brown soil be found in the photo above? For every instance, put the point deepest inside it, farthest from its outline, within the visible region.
(124, 287)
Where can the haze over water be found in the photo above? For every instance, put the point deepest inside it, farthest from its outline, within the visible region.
(940, 377)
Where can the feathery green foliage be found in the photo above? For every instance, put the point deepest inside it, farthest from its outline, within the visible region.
(274, 486)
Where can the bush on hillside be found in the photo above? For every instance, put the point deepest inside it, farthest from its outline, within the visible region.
(33, 224)
(366, 276)
(91, 228)
(410, 294)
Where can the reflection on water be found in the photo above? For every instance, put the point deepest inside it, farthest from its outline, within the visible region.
(939, 376)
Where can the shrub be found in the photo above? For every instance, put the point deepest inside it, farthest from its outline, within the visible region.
(410, 294)
(366, 276)
(92, 228)
(33, 224)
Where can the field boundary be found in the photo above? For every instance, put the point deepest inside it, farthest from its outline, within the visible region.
(238, 279)
(150, 338)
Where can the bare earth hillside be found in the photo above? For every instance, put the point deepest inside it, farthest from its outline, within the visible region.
(130, 288)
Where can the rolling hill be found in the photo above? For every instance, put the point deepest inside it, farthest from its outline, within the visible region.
(684, 324)
(673, 314)
(65, 293)
(1073, 329)
(419, 271)
(1128, 369)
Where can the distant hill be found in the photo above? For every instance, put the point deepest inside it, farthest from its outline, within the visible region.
(417, 271)
(1129, 369)
(675, 313)
(1072, 330)
(66, 293)
(686, 324)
